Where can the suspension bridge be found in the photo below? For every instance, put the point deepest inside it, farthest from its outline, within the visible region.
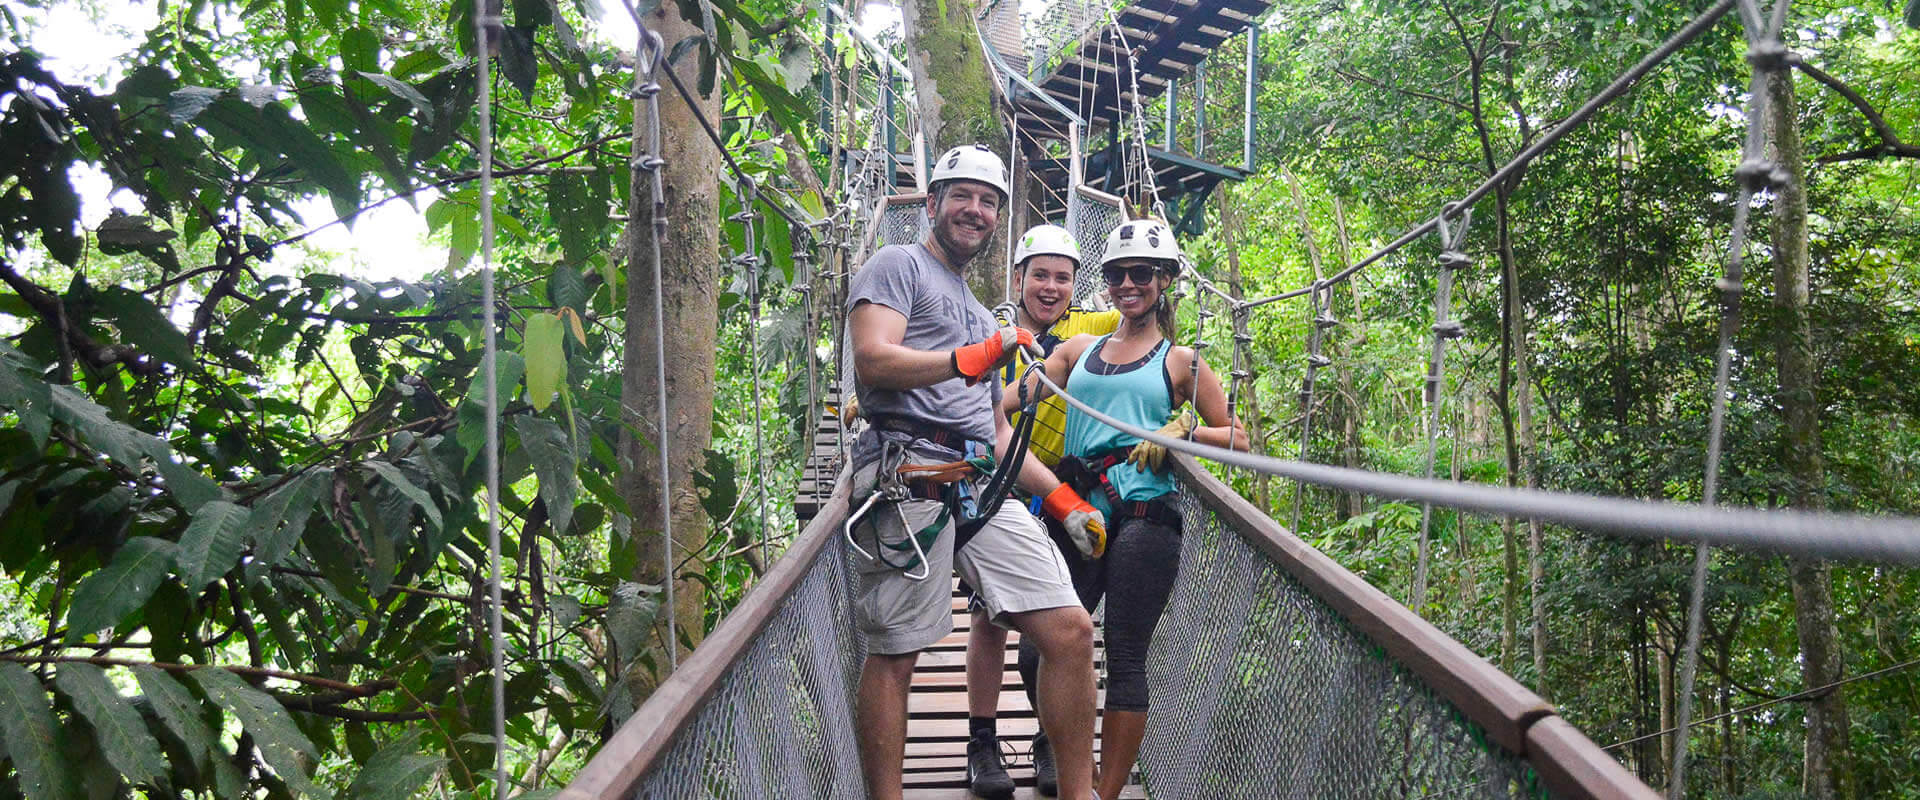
(1275, 671)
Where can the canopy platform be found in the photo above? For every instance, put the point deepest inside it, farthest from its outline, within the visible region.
(1274, 673)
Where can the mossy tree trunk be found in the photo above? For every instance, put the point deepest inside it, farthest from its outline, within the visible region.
(1825, 773)
(690, 275)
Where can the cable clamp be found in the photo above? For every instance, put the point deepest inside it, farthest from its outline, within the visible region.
(1449, 329)
(1758, 174)
(1729, 286)
(1316, 360)
(1325, 321)
(1768, 55)
(1454, 260)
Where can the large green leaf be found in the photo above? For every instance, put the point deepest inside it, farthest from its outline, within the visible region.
(109, 594)
(396, 771)
(288, 751)
(546, 358)
(578, 212)
(122, 734)
(126, 444)
(547, 447)
(212, 543)
(32, 739)
(182, 713)
(280, 518)
(398, 480)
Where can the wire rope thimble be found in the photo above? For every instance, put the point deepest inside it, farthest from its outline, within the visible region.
(652, 50)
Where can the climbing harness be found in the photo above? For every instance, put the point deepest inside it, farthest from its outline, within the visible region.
(896, 481)
(1087, 474)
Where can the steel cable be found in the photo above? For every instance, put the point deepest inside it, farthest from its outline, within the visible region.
(1452, 260)
(485, 26)
(1818, 534)
(1766, 54)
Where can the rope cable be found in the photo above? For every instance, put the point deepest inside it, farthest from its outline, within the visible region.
(650, 55)
(485, 27)
(1767, 54)
(1814, 693)
(1452, 260)
(1822, 534)
(1322, 320)
(750, 261)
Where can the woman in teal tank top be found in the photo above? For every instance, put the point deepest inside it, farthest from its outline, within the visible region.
(1138, 375)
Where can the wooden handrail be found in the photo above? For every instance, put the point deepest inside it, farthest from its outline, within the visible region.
(1569, 764)
(616, 770)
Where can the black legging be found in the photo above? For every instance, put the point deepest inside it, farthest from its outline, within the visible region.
(1142, 559)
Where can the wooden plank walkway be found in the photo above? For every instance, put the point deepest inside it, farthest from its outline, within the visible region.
(936, 766)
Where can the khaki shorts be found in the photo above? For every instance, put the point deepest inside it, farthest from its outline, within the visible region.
(1011, 564)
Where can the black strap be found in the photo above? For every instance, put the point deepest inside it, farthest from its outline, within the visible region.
(1161, 510)
(921, 429)
(1001, 484)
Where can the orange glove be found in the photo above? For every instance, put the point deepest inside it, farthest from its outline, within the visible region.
(1085, 525)
(974, 361)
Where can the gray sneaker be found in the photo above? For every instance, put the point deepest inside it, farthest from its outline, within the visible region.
(1046, 779)
(986, 776)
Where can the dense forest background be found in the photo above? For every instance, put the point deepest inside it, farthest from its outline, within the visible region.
(240, 488)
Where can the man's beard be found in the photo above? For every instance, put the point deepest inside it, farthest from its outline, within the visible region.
(961, 257)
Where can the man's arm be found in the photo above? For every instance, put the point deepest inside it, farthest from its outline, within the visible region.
(879, 358)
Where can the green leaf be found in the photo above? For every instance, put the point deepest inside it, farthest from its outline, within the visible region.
(281, 744)
(578, 212)
(397, 771)
(122, 734)
(280, 518)
(186, 104)
(518, 64)
(109, 594)
(126, 444)
(546, 358)
(404, 91)
(359, 50)
(32, 739)
(567, 289)
(177, 708)
(546, 445)
(211, 544)
(392, 475)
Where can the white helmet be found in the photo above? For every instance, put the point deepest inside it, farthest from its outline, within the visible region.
(1143, 238)
(1046, 240)
(972, 162)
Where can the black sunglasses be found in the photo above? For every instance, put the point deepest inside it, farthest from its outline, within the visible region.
(1141, 274)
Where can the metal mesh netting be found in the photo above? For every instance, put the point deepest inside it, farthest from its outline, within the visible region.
(903, 223)
(1091, 219)
(1056, 32)
(1261, 690)
(781, 722)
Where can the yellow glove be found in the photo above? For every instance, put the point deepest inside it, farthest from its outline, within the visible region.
(1149, 456)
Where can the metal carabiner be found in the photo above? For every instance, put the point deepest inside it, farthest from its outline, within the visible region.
(914, 537)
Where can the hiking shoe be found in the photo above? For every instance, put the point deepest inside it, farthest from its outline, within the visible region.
(986, 776)
(1046, 779)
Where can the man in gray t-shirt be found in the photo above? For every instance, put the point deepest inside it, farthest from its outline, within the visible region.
(924, 355)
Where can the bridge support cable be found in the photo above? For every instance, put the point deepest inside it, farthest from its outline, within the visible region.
(649, 61)
(749, 260)
(1767, 54)
(1453, 258)
(1321, 322)
(1813, 534)
(485, 27)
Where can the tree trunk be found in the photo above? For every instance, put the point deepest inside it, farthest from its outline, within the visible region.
(689, 269)
(954, 90)
(1825, 773)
